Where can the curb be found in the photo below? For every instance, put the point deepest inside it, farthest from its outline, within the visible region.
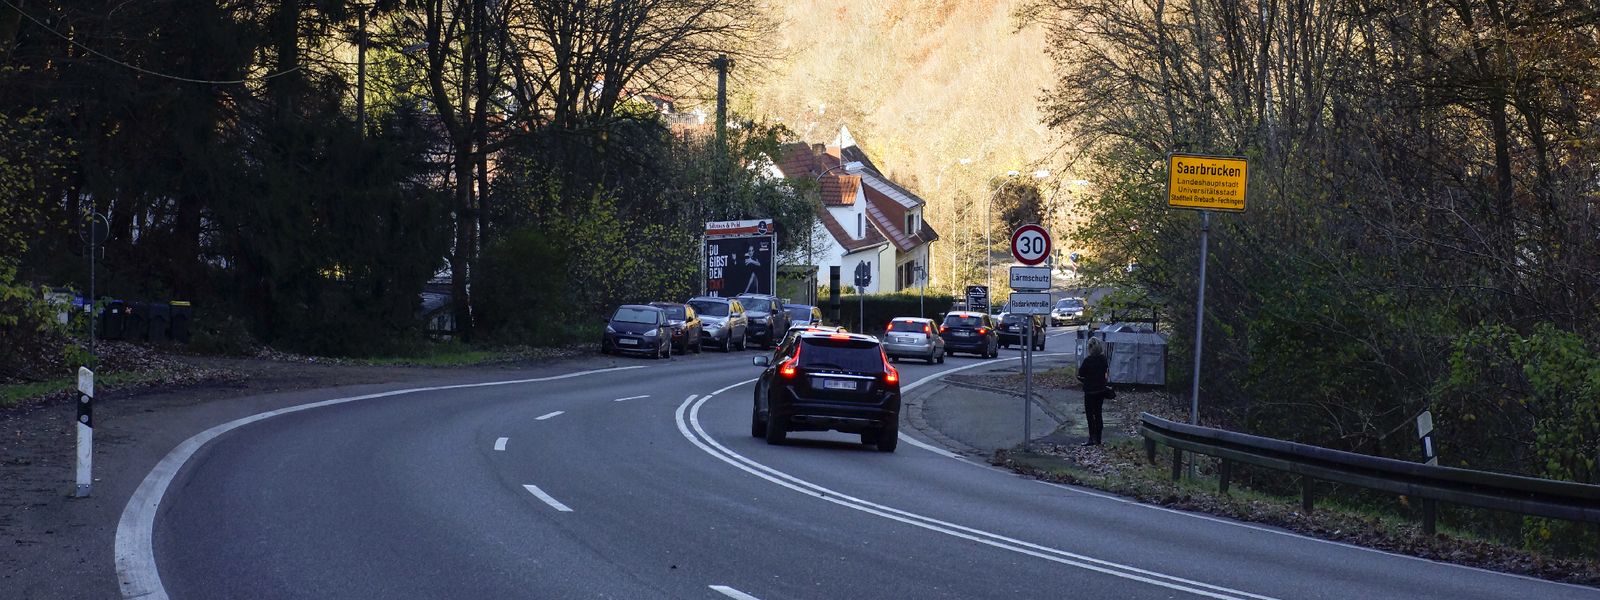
(914, 417)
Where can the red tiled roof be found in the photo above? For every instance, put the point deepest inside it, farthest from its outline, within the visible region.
(839, 190)
(841, 235)
(797, 160)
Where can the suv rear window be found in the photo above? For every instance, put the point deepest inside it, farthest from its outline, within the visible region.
(756, 304)
(710, 309)
(1014, 318)
(860, 356)
(801, 313)
(906, 326)
(962, 321)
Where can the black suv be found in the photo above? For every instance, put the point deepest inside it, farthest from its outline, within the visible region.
(967, 331)
(820, 381)
(1013, 327)
(768, 320)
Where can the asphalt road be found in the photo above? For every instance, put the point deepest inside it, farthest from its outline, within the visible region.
(645, 483)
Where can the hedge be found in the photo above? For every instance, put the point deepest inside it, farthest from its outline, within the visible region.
(881, 308)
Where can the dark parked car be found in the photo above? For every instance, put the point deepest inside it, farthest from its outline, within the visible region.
(723, 320)
(1012, 330)
(686, 327)
(967, 331)
(803, 314)
(638, 328)
(828, 381)
(768, 321)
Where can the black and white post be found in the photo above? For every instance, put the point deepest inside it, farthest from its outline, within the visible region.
(85, 432)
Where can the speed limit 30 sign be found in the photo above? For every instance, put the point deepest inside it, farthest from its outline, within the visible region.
(1030, 244)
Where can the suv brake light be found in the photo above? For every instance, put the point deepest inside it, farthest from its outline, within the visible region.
(983, 331)
(944, 329)
(786, 369)
(891, 375)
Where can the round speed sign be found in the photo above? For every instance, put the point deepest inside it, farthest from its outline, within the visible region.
(1030, 244)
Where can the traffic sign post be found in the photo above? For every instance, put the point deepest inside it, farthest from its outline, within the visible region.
(978, 298)
(1204, 183)
(863, 279)
(1030, 245)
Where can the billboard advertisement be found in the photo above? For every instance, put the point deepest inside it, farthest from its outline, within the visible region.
(740, 265)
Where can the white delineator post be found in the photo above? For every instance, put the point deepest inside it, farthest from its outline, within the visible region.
(85, 431)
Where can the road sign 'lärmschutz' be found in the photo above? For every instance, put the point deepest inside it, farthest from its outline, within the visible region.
(1207, 182)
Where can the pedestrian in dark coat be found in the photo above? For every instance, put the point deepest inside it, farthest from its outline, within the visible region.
(1092, 373)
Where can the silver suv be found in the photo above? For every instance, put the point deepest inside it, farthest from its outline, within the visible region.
(723, 320)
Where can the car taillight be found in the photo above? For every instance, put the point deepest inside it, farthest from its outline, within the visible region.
(983, 331)
(926, 328)
(891, 375)
(787, 368)
(944, 328)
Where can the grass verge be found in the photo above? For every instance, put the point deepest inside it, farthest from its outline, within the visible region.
(18, 393)
(1121, 468)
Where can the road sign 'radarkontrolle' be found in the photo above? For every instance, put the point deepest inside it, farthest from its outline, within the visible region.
(1029, 303)
(1207, 182)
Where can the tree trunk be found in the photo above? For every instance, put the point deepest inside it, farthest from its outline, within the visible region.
(466, 244)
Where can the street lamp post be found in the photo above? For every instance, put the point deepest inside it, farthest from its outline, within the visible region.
(988, 244)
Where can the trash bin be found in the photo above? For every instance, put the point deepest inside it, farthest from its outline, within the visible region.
(136, 321)
(158, 318)
(181, 314)
(113, 320)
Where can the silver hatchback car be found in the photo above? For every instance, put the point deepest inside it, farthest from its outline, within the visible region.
(911, 337)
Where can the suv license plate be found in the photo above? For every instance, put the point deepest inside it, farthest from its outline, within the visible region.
(963, 334)
(835, 384)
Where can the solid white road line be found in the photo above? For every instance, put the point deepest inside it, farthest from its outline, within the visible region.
(631, 398)
(733, 593)
(500, 444)
(135, 551)
(556, 504)
(688, 417)
(551, 415)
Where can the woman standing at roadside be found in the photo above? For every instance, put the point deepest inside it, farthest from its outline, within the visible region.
(1092, 373)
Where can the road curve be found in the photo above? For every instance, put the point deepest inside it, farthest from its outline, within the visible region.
(645, 483)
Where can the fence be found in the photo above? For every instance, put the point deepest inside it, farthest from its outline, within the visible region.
(1497, 491)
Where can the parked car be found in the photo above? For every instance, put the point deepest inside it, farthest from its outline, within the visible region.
(686, 327)
(768, 320)
(640, 329)
(1012, 327)
(967, 331)
(803, 314)
(828, 381)
(912, 337)
(1068, 311)
(723, 321)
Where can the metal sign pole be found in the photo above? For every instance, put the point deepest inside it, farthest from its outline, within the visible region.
(1027, 386)
(1199, 321)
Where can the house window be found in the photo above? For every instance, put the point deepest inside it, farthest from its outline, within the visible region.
(861, 230)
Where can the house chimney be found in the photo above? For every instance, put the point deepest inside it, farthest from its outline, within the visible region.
(819, 148)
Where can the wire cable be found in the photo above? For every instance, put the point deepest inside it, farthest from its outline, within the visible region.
(136, 67)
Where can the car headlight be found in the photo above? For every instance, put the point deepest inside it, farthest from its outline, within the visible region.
(651, 332)
(713, 326)
(610, 330)
(759, 320)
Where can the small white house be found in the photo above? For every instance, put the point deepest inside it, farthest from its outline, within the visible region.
(865, 218)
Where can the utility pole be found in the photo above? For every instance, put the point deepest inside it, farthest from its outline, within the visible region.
(361, 69)
(722, 63)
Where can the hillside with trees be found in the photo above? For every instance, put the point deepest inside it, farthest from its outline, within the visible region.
(944, 95)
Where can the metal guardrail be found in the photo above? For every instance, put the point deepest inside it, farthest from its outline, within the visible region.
(1497, 491)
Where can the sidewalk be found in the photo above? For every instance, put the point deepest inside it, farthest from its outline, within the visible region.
(975, 413)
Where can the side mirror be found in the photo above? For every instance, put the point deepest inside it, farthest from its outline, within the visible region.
(760, 361)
